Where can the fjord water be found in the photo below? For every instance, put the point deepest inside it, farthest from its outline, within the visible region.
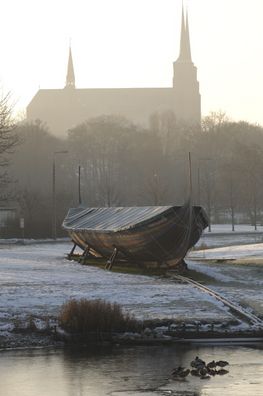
(133, 371)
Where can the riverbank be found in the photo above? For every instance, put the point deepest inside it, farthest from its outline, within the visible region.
(179, 333)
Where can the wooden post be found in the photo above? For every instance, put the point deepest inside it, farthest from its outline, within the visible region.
(72, 251)
(110, 262)
(85, 255)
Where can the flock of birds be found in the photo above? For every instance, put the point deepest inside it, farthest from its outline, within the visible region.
(200, 369)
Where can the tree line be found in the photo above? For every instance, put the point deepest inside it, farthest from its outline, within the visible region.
(123, 164)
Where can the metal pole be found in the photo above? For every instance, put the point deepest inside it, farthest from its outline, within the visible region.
(209, 208)
(232, 202)
(198, 182)
(208, 178)
(79, 187)
(208, 189)
(54, 217)
(255, 206)
(155, 188)
(190, 178)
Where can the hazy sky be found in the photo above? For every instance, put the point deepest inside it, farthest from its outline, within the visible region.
(132, 43)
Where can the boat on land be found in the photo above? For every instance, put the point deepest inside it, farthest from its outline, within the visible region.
(150, 234)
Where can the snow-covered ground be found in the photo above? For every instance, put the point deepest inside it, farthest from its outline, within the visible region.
(240, 283)
(216, 240)
(222, 235)
(227, 228)
(254, 251)
(37, 279)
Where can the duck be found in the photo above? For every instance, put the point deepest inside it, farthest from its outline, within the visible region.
(211, 372)
(197, 363)
(222, 372)
(195, 373)
(205, 377)
(183, 373)
(203, 371)
(222, 363)
(177, 370)
(211, 365)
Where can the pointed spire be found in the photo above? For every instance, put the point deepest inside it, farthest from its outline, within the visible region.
(188, 38)
(185, 48)
(70, 79)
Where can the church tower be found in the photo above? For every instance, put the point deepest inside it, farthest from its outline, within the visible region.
(185, 84)
(70, 78)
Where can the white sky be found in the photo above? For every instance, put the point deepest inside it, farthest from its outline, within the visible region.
(132, 43)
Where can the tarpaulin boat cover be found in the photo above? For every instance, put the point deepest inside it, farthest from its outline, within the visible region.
(111, 219)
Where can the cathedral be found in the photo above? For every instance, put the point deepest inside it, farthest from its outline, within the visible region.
(63, 109)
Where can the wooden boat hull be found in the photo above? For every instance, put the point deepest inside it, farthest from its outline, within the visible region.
(163, 237)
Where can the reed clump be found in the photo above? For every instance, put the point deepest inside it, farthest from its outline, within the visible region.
(99, 316)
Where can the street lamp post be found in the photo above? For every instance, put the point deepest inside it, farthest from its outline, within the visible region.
(79, 185)
(190, 177)
(208, 192)
(232, 201)
(198, 185)
(54, 204)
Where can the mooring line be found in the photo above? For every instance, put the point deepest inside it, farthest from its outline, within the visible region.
(251, 318)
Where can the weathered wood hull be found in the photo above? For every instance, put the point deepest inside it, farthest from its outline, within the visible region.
(165, 236)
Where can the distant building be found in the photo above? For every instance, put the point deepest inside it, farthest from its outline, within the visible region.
(9, 221)
(7, 215)
(62, 109)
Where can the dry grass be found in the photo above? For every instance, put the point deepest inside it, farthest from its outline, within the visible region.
(85, 316)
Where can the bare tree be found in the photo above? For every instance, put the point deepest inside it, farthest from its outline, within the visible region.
(156, 190)
(8, 137)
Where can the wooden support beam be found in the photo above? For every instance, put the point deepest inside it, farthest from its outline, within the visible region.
(72, 251)
(85, 255)
(110, 262)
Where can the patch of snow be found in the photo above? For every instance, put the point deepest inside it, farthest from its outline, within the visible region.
(229, 252)
(6, 327)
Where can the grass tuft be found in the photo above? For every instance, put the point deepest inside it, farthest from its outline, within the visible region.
(86, 316)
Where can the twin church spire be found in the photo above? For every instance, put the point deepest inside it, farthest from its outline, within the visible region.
(184, 55)
(70, 78)
(186, 96)
(185, 48)
(182, 97)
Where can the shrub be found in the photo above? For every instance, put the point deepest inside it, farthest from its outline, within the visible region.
(84, 316)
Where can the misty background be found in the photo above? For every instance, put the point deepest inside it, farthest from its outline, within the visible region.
(122, 164)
